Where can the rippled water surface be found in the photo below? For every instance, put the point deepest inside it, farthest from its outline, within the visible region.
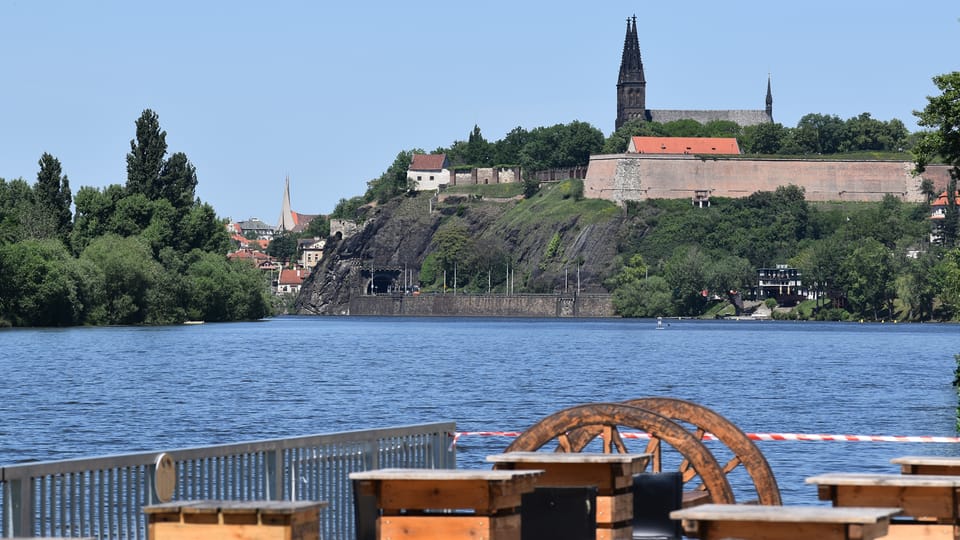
(96, 391)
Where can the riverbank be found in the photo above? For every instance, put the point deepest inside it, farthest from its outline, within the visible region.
(465, 305)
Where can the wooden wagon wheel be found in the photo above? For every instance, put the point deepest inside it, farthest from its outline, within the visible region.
(706, 420)
(605, 419)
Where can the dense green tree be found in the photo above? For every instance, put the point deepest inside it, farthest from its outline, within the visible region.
(683, 128)
(201, 229)
(347, 208)
(722, 128)
(477, 151)
(866, 133)
(41, 284)
(53, 194)
(687, 273)
(319, 227)
(393, 181)
(618, 141)
(763, 138)
(23, 215)
(506, 151)
(869, 277)
(649, 297)
(94, 214)
(145, 160)
(283, 247)
(128, 271)
(947, 283)
(220, 290)
(177, 182)
(819, 133)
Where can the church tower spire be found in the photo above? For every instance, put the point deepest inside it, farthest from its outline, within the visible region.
(769, 99)
(631, 85)
(287, 223)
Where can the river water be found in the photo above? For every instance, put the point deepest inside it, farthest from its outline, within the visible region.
(83, 392)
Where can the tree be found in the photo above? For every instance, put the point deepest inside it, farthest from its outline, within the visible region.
(868, 276)
(649, 297)
(128, 271)
(686, 272)
(177, 182)
(145, 160)
(53, 194)
(41, 284)
(319, 227)
(283, 247)
(763, 138)
(819, 133)
(618, 141)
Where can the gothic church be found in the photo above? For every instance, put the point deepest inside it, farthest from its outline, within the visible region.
(632, 89)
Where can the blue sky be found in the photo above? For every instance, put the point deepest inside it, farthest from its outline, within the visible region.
(328, 95)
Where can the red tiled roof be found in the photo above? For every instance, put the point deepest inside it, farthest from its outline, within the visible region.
(942, 200)
(428, 162)
(290, 277)
(684, 145)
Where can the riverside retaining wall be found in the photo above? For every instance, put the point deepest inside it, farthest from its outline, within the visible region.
(461, 305)
(636, 177)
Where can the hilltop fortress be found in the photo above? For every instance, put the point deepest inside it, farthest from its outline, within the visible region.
(635, 176)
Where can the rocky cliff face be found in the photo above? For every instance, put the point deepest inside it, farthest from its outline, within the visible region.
(396, 237)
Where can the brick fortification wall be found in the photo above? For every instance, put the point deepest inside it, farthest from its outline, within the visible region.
(443, 305)
(625, 177)
(485, 175)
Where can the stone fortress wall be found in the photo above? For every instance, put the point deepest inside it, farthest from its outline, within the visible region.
(636, 177)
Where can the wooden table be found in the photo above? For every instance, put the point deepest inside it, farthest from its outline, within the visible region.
(229, 520)
(939, 465)
(447, 503)
(612, 474)
(750, 522)
(931, 501)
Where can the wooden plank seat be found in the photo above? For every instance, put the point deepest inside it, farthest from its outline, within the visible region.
(611, 474)
(225, 519)
(754, 522)
(447, 503)
(936, 465)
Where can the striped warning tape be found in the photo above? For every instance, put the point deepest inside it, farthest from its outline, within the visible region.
(758, 437)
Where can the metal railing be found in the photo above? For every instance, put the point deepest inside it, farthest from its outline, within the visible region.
(103, 497)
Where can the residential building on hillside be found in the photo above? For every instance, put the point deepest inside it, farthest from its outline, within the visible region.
(258, 228)
(289, 281)
(783, 283)
(632, 94)
(938, 214)
(311, 251)
(427, 172)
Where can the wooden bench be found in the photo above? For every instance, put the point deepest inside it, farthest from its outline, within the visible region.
(753, 522)
(447, 503)
(930, 502)
(938, 465)
(612, 474)
(228, 520)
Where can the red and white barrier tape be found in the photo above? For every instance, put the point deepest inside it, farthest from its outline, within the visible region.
(755, 437)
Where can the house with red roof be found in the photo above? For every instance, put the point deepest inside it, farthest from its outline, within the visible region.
(683, 145)
(427, 172)
(938, 213)
(290, 280)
